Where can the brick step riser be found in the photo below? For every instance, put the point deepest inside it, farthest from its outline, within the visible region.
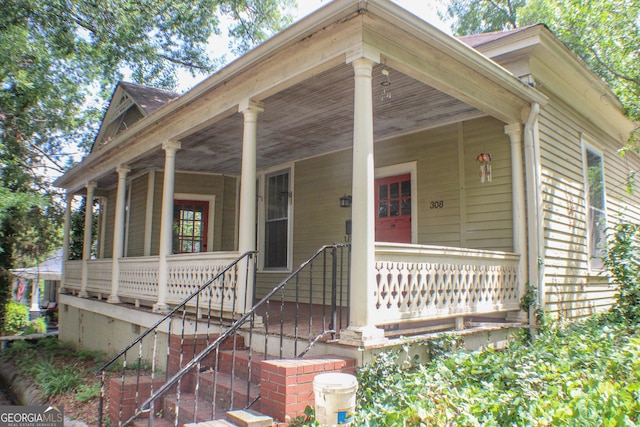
(241, 368)
(239, 395)
(186, 413)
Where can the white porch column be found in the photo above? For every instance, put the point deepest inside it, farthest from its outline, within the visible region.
(247, 221)
(65, 237)
(166, 223)
(361, 330)
(514, 131)
(88, 229)
(118, 232)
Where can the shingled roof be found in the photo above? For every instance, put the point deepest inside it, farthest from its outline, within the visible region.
(149, 98)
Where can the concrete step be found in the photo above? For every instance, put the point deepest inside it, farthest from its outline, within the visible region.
(249, 418)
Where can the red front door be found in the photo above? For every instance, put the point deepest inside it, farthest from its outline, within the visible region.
(393, 209)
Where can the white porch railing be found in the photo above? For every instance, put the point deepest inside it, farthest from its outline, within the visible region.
(73, 275)
(187, 272)
(139, 278)
(99, 276)
(425, 282)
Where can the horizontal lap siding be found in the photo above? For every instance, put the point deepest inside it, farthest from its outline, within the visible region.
(137, 214)
(207, 185)
(320, 182)
(487, 206)
(109, 218)
(565, 260)
(571, 290)
(318, 218)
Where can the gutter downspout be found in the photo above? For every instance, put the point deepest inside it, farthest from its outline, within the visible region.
(534, 205)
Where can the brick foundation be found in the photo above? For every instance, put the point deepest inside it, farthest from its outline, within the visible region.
(286, 386)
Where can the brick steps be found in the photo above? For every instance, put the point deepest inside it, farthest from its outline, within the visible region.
(285, 387)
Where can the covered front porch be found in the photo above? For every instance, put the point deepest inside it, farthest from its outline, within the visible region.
(270, 145)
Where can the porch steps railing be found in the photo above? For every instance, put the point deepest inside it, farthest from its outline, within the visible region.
(212, 371)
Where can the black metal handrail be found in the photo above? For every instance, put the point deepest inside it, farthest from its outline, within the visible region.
(182, 307)
(307, 288)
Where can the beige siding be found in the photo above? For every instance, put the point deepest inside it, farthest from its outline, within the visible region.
(487, 206)
(485, 224)
(206, 185)
(223, 188)
(157, 209)
(571, 290)
(109, 218)
(137, 214)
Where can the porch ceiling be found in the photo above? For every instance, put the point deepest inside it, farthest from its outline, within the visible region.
(311, 118)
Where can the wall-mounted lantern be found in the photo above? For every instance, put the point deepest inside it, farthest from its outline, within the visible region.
(345, 201)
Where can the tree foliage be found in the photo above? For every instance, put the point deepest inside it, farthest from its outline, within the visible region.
(605, 34)
(59, 61)
(482, 16)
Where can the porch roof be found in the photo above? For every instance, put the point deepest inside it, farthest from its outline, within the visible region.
(305, 81)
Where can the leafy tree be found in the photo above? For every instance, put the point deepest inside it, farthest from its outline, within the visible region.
(605, 34)
(482, 16)
(59, 61)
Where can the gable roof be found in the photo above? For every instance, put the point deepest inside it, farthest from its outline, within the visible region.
(476, 40)
(134, 102)
(535, 52)
(148, 98)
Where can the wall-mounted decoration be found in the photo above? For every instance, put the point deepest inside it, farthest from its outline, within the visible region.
(485, 167)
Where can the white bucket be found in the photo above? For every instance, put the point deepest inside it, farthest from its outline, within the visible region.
(335, 395)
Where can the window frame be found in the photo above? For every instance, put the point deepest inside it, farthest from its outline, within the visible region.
(211, 199)
(261, 219)
(594, 264)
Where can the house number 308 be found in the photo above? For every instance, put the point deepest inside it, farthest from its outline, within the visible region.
(436, 204)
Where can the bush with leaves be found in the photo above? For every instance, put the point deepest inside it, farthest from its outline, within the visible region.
(16, 318)
(581, 374)
(36, 326)
(622, 260)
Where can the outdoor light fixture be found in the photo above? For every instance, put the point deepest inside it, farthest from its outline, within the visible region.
(345, 201)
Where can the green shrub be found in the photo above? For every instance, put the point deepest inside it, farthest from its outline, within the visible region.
(579, 375)
(36, 326)
(622, 260)
(17, 318)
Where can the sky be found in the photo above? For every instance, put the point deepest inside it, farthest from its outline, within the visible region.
(425, 9)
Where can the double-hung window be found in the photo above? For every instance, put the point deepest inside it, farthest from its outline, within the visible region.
(276, 220)
(596, 207)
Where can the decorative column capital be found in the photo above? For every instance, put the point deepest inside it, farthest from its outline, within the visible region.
(123, 170)
(514, 131)
(171, 146)
(363, 67)
(250, 107)
(91, 185)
